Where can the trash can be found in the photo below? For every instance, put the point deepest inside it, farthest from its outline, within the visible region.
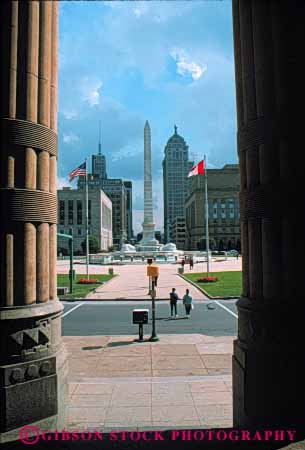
(110, 271)
(181, 270)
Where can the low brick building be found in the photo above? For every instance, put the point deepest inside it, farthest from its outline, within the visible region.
(72, 214)
(224, 216)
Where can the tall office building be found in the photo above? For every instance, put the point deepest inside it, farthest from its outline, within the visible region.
(119, 192)
(176, 167)
(128, 187)
(99, 160)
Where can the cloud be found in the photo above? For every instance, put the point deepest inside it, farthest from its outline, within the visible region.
(186, 66)
(62, 182)
(125, 62)
(90, 90)
(70, 138)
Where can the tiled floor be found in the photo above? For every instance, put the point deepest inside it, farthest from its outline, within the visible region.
(170, 383)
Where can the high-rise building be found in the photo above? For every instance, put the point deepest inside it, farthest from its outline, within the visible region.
(176, 167)
(99, 160)
(128, 187)
(119, 192)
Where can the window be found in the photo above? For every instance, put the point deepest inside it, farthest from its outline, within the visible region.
(70, 212)
(62, 212)
(79, 212)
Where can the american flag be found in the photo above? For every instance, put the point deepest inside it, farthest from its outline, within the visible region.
(79, 171)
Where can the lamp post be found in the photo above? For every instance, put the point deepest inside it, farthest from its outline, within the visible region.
(152, 273)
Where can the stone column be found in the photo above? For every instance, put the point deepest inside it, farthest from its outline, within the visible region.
(32, 357)
(268, 363)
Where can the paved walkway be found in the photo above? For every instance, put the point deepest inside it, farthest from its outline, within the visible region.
(180, 381)
(132, 282)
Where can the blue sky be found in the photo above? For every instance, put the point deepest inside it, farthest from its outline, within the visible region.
(125, 62)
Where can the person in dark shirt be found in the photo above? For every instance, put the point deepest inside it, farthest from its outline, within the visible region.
(173, 302)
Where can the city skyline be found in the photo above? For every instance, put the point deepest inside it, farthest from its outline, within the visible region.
(122, 81)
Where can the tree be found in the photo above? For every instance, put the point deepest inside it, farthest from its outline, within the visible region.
(201, 245)
(94, 245)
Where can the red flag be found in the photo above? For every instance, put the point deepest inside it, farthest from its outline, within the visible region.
(198, 169)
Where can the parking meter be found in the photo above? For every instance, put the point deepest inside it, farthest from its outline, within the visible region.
(140, 317)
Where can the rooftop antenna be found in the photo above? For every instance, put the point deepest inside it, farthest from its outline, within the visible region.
(99, 140)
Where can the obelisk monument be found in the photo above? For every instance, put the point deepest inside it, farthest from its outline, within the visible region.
(148, 223)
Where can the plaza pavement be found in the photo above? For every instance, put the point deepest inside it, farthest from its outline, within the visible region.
(132, 282)
(182, 381)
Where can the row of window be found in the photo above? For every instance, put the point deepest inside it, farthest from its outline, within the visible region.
(80, 231)
(79, 212)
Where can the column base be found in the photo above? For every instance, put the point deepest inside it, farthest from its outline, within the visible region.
(269, 367)
(33, 369)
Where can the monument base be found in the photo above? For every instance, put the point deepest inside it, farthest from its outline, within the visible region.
(33, 369)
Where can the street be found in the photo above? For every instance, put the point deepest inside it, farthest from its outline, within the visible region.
(213, 318)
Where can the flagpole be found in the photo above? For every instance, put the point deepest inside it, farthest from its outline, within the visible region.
(206, 215)
(87, 230)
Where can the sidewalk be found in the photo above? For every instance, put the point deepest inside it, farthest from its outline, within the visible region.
(132, 283)
(180, 381)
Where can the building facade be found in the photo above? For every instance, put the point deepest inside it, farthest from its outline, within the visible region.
(115, 189)
(128, 187)
(178, 232)
(176, 167)
(72, 215)
(99, 165)
(224, 215)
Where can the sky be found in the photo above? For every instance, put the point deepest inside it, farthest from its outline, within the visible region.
(125, 62)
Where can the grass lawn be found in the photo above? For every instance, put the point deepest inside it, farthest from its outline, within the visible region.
(79, 290)
(228, 284)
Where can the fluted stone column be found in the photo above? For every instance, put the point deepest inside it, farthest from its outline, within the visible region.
(268, 361)
(32, 357)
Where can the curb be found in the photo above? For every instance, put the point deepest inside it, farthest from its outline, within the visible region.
(229, 297)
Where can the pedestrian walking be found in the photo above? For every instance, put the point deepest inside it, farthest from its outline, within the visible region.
(237, 255)
(188, 303)
(182, 263)
(173, 302)
(191, 263)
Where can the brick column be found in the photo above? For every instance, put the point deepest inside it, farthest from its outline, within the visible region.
(268, 363)
(32, 358)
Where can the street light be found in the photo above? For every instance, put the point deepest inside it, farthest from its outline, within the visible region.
(153, 273)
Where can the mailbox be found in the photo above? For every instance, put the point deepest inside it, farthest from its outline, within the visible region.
(140, 316)
(152, 271)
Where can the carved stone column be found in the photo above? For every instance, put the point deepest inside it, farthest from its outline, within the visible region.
(268, 361)
(33, 365)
